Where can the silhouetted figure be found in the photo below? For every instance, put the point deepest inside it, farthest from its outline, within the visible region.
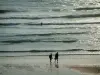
(41, 23)
(56, 57)
(50, 57)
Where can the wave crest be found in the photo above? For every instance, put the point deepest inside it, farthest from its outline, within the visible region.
(42, 51)
(47, 34)
(53, 17)
(87, 8)
(39, 40)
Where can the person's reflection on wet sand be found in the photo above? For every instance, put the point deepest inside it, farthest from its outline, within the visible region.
(56, 65)
(50, 69)
(57, 68)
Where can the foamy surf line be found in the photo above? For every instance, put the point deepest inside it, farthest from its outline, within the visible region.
(87, 8)
(45, 34)
(92, 54)
(51, 17)
(38, 40)
(39, 53)
(44, 51)
(41, 24)
(4, 11)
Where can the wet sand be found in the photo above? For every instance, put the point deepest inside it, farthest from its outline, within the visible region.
(92, 69)
(70, 65)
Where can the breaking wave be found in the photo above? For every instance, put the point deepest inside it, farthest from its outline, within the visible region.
(7, 24)
(8, 11)
(80, 23)
(46, 52)
(43, 51)
(51, 17)
(46, 34)
(39, 40)
(87, 8)
(69, 50)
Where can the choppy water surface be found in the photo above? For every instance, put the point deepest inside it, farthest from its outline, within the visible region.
(38, 27)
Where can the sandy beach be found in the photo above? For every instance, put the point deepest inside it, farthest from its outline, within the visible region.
(67, 65)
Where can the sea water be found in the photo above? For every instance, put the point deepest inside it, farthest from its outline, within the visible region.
(40, 27)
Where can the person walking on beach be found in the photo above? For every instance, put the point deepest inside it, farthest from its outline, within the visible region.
(56, 57)
(50, 57)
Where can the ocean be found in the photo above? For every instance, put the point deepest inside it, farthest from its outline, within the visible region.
(41, 27)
